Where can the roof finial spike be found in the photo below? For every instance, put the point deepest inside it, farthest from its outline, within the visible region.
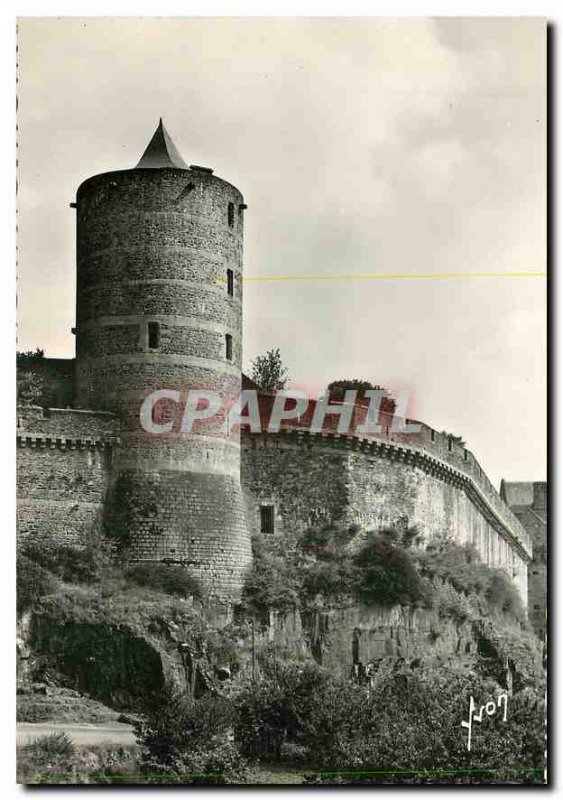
(161, 152)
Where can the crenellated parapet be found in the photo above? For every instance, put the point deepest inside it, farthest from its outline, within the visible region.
(476, 486)
(64, 462)
(296, 480)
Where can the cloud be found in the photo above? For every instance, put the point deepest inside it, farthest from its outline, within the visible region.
(361, 145)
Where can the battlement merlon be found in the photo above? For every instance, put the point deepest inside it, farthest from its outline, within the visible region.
(66, 424)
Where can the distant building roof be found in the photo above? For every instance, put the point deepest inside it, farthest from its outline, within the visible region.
(515, 493)
(161, 152)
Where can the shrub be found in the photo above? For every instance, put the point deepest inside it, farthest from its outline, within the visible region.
(59, 763)
(502, 594)
(70, 563)
(275, 710)
(30, 388)
(188, 741)
(411, 722)
(271, 581)
(320, 567)
(167, 578)
(47, 759)
(462, 568)
(33, 581)
(387, 574)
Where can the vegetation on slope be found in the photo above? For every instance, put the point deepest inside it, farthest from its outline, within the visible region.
(329, 568)
(404, 726)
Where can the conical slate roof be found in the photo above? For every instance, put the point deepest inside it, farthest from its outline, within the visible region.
(161, 152)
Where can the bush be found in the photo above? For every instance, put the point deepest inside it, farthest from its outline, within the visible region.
(275, 710)
(70, 563)
(461, 567)
(59, 762)
(406, 726)
(409, 727)
(47, 759)
(188, 741)
(167, 578)
(502, 594)
(33, 581)
(271, 581)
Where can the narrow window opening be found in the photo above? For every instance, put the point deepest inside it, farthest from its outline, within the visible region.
(266, 519)
(231, 215)
(450, 443)
(229, 347)
(154, 335)
(230, 282)
(465, 455)
(432, 434)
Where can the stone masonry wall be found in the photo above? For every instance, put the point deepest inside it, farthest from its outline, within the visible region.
(63, 469)
(313, 481)
(530, 507)
(155, 251)
(191, 518)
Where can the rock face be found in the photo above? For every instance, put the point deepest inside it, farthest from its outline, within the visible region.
(360, 641)
(104, 661)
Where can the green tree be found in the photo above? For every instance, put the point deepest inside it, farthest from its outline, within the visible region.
(188, 741)
(30, 384)
(269, 371)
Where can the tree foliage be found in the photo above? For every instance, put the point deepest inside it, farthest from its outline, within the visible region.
(32, 582)
(269, 371)
(406, 726)
(188, 741)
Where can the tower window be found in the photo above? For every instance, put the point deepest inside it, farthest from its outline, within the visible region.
(229, 347)
(230, 283)
(266, 519)
(432, 434)
(154, 335)
(231, 215)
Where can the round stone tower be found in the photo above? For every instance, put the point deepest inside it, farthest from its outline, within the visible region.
(159, 307)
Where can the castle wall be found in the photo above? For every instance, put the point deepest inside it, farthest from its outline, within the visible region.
(528, 502)
(63, 471)
(314, 481)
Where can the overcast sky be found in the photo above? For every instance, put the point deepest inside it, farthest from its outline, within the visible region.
(362, 146)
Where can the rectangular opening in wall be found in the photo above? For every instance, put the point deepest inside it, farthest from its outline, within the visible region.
(450, 443)
(153, 335)
(432, 434)
(266, 519)
(229, 347)
(230, 282)
(231, 215)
